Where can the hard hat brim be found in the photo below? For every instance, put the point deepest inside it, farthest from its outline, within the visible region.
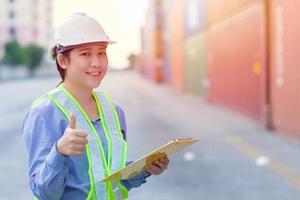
(64, 48)
(85, 43)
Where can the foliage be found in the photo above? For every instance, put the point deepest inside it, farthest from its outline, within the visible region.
(35, 55)
(14, 54)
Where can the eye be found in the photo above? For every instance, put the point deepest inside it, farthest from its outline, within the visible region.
(85, 54)
(102, 53)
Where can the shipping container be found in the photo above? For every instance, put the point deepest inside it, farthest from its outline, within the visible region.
(218, 10)
(195, 16)
(176, 13)
(195, 64)
(148, 48)
(157, 73)
(141, 61)
(158, 41)
(166, 61)
(285, 62)
(166, 4)
(147, 44)
(153, 43)
(237, 62)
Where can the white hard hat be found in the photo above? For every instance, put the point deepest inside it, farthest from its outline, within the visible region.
(80, 29)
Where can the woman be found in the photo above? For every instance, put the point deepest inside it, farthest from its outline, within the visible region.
(75, 137)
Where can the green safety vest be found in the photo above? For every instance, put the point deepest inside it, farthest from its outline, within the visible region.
(98, 166)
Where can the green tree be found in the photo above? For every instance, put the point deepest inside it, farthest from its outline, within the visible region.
(35, 55)
(14, 54)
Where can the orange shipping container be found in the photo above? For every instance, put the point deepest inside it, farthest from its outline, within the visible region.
(142, 63)
(152, 42)
(147, 45)
(237, 62)
(176, 19)
(220, 9)
(285, 62)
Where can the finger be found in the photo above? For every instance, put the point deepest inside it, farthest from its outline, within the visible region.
(166, 161)
(152, 169)
(81, 134)
(155, 167)
(81, 141)
(72, 122)
(160, 164)
(78, 147)
(77, 153)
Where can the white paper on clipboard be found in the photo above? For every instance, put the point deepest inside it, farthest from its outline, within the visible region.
(141, 164)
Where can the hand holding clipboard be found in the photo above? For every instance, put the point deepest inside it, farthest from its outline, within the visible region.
(141, 164)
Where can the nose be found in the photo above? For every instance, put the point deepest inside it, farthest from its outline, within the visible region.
(98, 61)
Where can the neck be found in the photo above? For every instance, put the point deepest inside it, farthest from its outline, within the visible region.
(82, 94)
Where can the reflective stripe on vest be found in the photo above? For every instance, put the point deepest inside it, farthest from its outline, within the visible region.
(98, 167)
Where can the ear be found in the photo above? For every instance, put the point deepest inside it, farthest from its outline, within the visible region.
(62, 61)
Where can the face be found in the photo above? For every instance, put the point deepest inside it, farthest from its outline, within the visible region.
(87, 65)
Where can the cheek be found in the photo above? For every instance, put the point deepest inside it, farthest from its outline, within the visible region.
(105, 70)
(70, 72)
(105, 67)
(78, 65)
(104, 61)
(75, 70)
(104, 64)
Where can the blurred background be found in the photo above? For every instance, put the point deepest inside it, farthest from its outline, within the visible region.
(223, 71)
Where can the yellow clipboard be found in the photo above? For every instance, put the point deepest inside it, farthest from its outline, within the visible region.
(141, 164)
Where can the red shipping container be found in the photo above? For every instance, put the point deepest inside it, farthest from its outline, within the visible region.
(285, 62)
(220, 9)
(176, 16)
(237, 62)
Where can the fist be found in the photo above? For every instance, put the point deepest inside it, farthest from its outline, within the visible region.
(73, 141)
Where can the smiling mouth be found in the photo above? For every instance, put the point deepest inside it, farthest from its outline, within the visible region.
(94, 73)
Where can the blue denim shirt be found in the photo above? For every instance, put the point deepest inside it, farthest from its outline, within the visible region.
(53, 175)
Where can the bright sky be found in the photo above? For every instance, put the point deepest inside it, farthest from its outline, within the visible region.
(120, 19)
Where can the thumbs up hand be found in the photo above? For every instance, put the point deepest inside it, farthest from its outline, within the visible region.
(73, 142)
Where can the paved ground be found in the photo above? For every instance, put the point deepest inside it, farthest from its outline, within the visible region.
(234, 158)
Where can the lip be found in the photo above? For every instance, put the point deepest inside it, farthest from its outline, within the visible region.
(94, 73)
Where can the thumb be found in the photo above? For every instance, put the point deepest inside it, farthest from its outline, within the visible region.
(72, 123)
